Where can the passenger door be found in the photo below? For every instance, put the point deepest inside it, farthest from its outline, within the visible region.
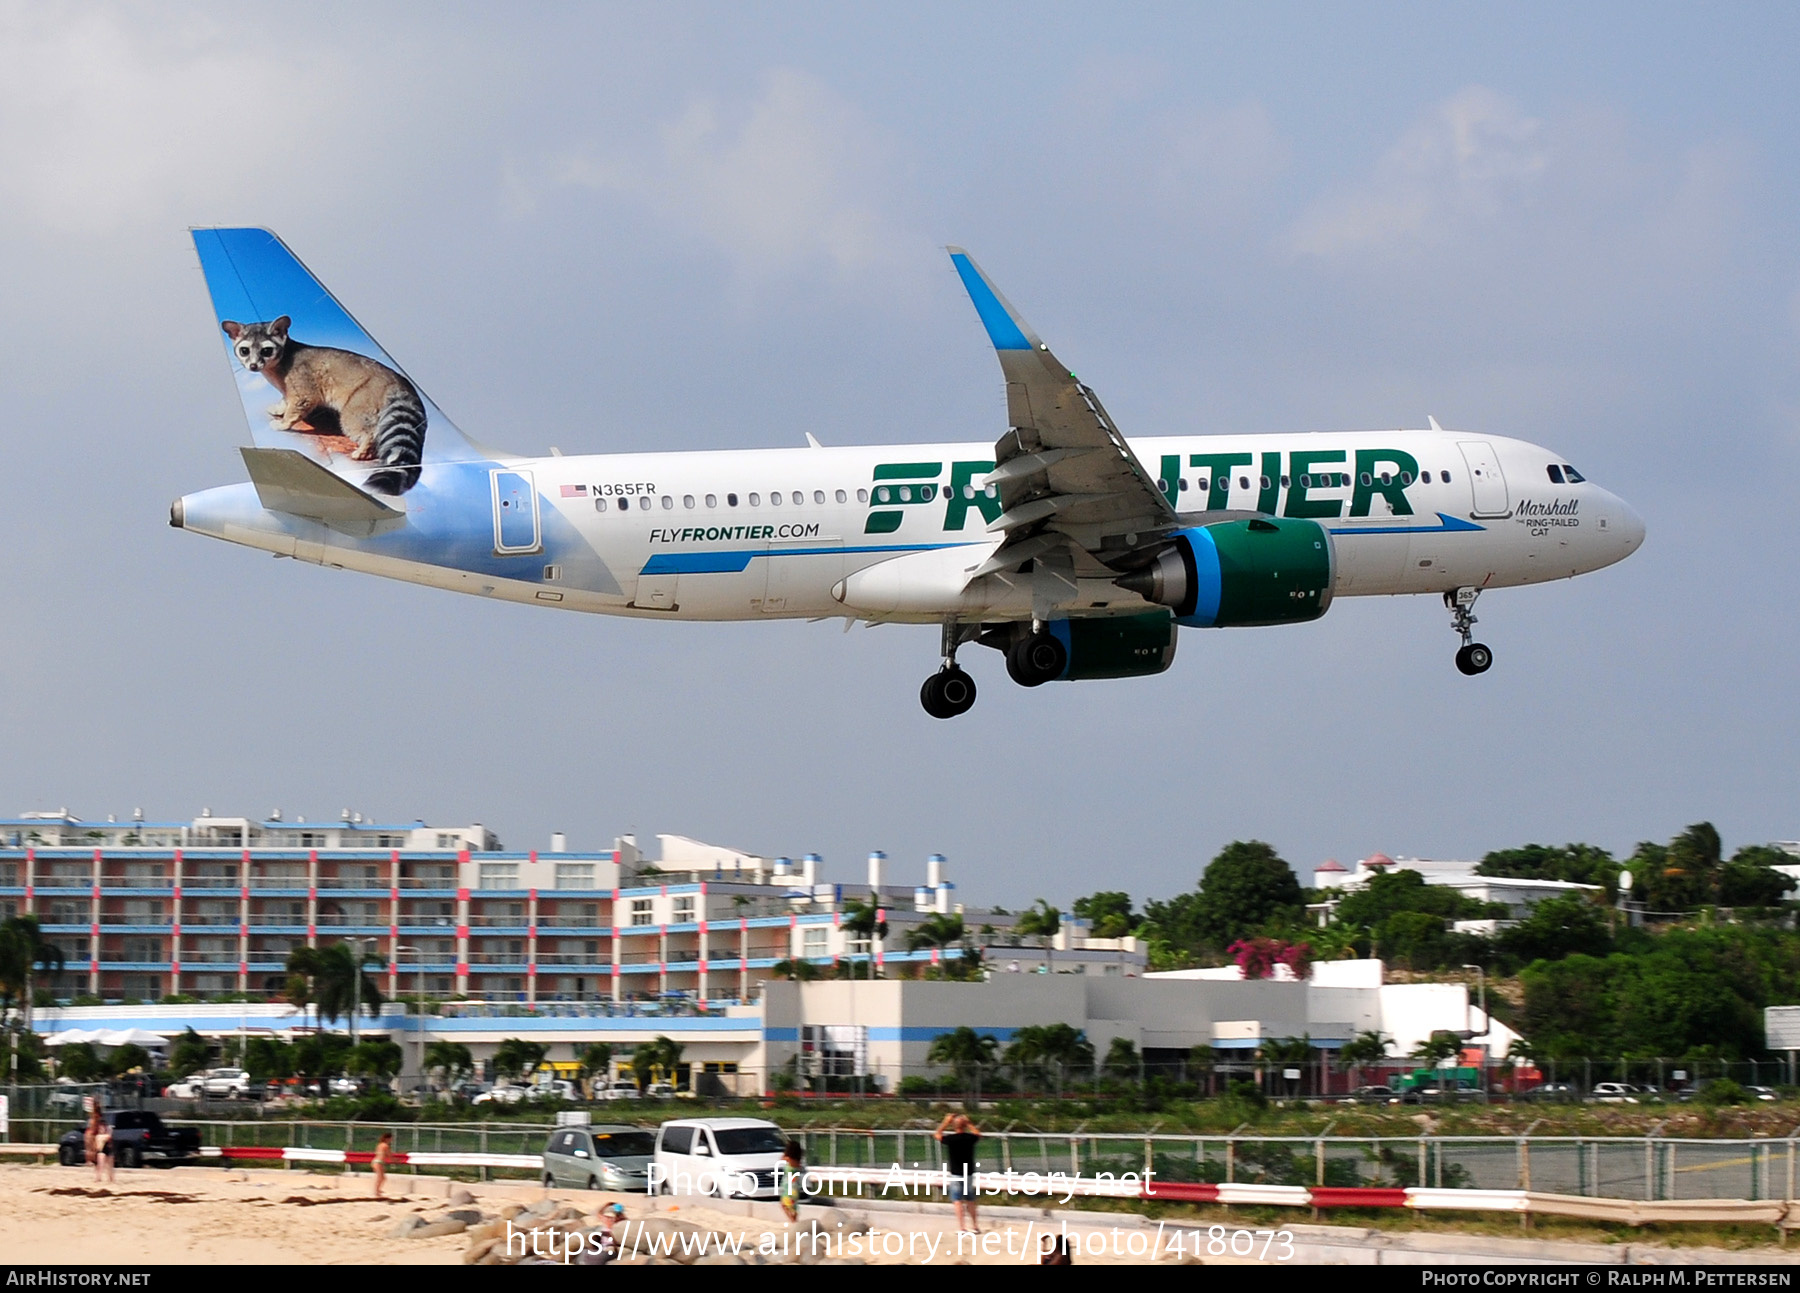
(1486, 481)
(516, 529)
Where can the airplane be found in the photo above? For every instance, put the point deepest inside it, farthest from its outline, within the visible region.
(1076, 553)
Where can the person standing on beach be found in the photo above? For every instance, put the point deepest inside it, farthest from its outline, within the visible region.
(103, 1148)
(959, 1136)
(793, 1166)
(383, 1149)
(90, 1138)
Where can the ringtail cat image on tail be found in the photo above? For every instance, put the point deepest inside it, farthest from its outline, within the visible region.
(338, 392)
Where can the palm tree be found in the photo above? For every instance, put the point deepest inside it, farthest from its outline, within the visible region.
(377, 1057)
(1039, 1048)
(1203, 1059)
(798, 969)
(24, 952)
(863, 921)
(330, 976)
(596, 1060)
(659, 1054)
(1122, 1059)
(1364, 1048)
(937, 930)
(1437, 1048)
(964, 1051)
(516, 1057)
(1040, 919)
(452, 1059)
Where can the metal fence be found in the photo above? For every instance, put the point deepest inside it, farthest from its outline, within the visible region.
(1610, 1167)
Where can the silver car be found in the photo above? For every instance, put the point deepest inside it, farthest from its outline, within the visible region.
(603, 1157)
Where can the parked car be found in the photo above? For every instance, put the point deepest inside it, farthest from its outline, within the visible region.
(226, 1084)
(1615, 1093)
(139, 1137)
(728, 1157)
(66, 1096)
(1763, 1092)
(660, 1091)
(501, 1095)
(556, 1089)
(1443, 1091)
(603, 1157)
(1551, 1091)
(619, 1091)
(1370, 1094)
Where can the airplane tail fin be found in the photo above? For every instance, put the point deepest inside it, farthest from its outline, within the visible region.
(310, 377)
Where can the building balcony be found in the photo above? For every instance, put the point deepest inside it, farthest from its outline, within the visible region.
(359, 920)
(636, 956)
(288, 882)
(210, 882)
(209, 918)
(574, 958)
(332, 883)
(446, 881)
(571, 922)
(209, 958)
(495, 920)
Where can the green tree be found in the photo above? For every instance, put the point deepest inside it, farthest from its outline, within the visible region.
(799, 970)
(1557, 927)
(1122, 1059)
(25, 955)
(938, 930)
(1364, 1048)
(79, 1062)
(518, 1058)
(596, 1063)
(964, 1052)
(660, 1057)
(451, 1061)
(188, 1054)
(1246, 887)
(1108, 913)
(1040, 920)
(330, 973)
(1751, 880)
(1203, 1061)
(376, 1057)
(864, 922)
(320, 1055)
(1045, 1049)
(1437, 1048)
(268, 1059)
(1577, 863)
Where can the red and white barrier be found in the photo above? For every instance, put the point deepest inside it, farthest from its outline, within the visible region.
(297, 1154)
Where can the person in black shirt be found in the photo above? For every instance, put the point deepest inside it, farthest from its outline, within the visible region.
(958, 1135)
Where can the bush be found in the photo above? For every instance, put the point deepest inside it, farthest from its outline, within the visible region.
(1724, 1091)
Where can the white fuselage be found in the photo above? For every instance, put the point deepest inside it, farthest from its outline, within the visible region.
(753, 534)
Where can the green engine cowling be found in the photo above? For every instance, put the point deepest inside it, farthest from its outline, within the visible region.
(1117, 646)
(1236, 574)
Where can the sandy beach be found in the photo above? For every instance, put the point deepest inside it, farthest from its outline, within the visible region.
(209, 1216)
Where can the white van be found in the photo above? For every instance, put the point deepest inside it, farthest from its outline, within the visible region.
(727, 1157)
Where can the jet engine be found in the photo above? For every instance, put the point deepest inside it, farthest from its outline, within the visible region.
(1235, 574)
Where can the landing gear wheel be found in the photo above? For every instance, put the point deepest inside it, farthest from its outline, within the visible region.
(1474, 658)
(1037, 659)
(948, 693)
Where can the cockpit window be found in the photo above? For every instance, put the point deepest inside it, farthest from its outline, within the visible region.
(1575, 477)
(1556, 476)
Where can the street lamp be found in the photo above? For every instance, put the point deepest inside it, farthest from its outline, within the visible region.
(356, 964)
(419, 1001)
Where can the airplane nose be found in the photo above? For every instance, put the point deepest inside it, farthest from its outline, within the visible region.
(1631, 527)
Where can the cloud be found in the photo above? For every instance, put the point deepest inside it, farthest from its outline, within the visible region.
(1467, 161)
(793, 177)
(105, 120)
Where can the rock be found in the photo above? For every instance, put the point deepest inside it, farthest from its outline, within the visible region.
(432, 1229)
(405, 1226)
(468, 1216)
(509, 1211)
(476, 1252)
(487, 1230)
(461, 1198)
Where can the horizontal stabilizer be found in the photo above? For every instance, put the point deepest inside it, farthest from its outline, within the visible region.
(288, 481)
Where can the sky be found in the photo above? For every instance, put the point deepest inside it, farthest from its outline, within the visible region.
(687, 226)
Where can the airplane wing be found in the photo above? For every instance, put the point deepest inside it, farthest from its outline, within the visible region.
(1070, 488)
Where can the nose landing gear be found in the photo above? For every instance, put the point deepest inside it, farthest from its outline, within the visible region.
(1474, 657)
(949, 692)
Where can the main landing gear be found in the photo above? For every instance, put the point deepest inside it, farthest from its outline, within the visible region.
(1037, 658)
(949, 692)
(1474, 657)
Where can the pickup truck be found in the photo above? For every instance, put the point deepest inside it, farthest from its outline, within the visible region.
(139, 1137)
